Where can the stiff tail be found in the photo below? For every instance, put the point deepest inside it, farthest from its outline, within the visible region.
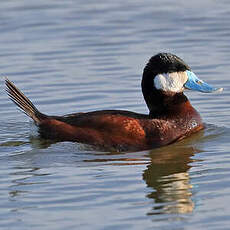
(23, 102)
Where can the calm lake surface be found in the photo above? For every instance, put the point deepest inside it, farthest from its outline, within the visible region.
(71, 56)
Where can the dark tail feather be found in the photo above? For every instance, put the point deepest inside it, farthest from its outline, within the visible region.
(23, 102)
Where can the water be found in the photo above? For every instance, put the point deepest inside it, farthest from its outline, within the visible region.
(70, 56)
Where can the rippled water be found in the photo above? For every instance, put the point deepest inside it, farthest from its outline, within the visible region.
(71, 56)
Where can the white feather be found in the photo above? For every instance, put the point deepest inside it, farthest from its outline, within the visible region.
(171, 82)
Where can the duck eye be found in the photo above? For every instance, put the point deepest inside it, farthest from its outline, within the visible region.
(199, 82)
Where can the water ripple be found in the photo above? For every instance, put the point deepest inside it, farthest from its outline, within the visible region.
(71, 56)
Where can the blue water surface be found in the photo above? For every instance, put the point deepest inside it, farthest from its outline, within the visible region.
(71, 56)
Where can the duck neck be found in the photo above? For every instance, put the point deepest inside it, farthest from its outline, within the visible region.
(161, 104)
(167, 105)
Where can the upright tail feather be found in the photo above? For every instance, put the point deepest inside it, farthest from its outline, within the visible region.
(23, 102)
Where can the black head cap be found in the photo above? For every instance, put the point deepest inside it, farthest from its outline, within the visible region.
(166, 63)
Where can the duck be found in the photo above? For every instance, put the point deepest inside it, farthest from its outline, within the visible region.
(171, 116)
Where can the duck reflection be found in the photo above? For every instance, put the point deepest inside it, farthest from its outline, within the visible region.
(168, 175)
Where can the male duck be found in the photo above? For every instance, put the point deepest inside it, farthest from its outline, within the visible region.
(171, 116)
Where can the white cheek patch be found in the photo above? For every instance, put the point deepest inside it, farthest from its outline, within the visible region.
(171, 82)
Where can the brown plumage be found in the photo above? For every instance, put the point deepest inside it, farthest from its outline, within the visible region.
(171, 117)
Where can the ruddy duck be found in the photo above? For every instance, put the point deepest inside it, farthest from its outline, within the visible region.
(171, 116)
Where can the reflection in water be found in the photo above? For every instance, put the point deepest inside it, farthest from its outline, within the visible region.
(70, 56)
(167, 173)
(93, 179)
(168, 176)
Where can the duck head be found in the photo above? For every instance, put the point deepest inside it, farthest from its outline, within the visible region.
(165, 78)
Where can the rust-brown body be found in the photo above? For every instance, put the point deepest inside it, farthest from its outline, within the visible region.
(171, 116)
(123, 130)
